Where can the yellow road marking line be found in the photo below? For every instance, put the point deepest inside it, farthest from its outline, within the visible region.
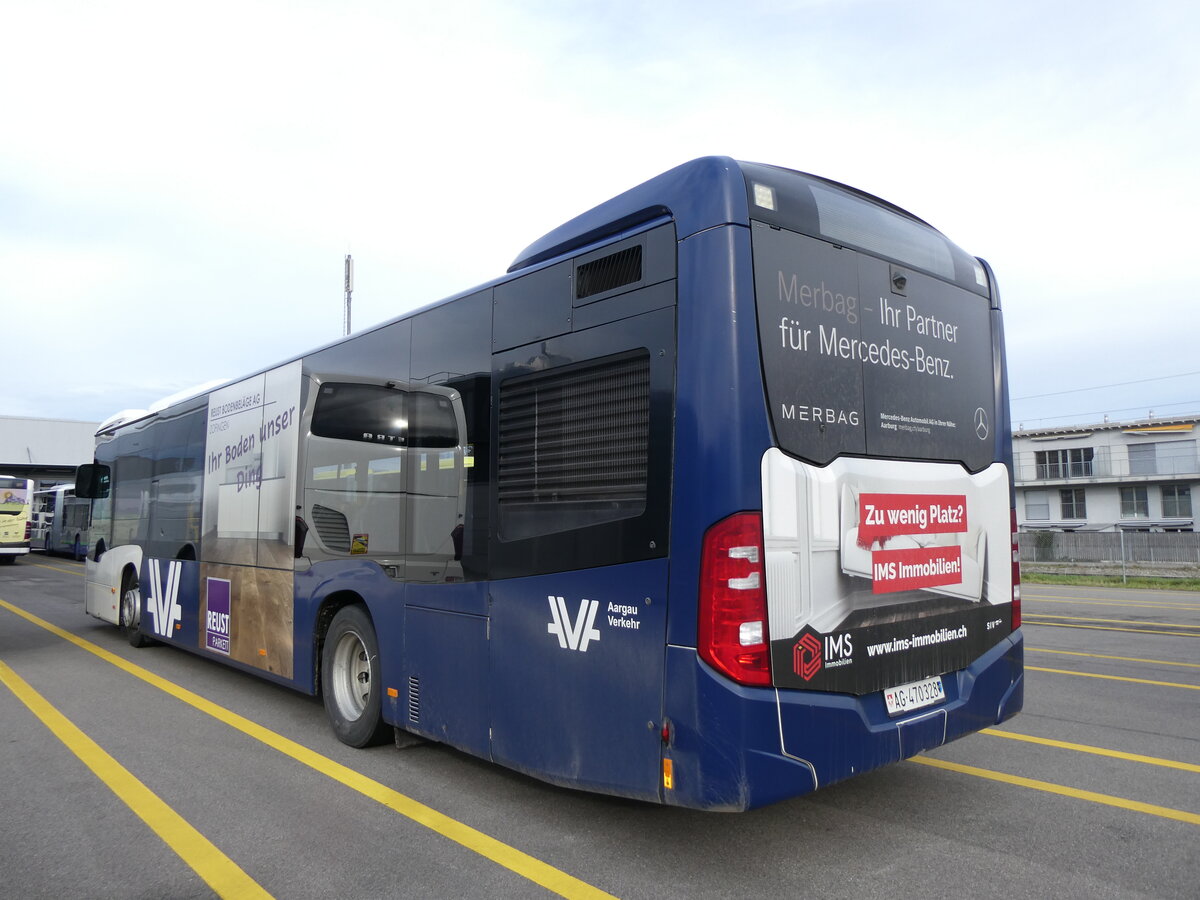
(502, 854)
(1111, 621)
(219, 872)
(1096, 751)
(1130, 604)
(1164, 812)
(1190, 687)
(57, 569)
(1025, 621)
(1158, 596)
(1157, 662)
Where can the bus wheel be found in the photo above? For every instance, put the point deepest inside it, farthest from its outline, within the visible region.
(130, 612)
(350, 681)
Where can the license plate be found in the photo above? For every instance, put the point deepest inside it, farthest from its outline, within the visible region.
(916, 694)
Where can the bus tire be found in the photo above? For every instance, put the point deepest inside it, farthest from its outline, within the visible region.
(129, 614)
(350, 679)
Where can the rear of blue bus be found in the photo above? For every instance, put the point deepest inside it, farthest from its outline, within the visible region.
(843, 471)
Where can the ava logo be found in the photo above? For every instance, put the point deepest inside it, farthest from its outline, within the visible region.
(573, 635)
(164, 605)
(807, 655)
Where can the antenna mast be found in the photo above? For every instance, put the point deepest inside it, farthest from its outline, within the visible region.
(349, 290)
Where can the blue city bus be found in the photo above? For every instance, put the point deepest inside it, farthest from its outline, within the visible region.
(707, 501)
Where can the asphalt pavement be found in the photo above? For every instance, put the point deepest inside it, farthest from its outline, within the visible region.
(154, 773)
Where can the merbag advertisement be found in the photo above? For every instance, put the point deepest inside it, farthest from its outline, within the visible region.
(885, 516)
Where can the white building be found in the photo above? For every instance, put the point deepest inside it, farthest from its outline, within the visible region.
(1130, 476)
(46, 450)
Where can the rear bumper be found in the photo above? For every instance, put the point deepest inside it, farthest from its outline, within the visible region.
(735, 748)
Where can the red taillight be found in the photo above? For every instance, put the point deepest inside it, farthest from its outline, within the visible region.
(28, 531)
(733, 636)
(1016, 575)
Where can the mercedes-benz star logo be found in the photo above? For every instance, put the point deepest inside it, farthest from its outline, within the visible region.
(981, 423)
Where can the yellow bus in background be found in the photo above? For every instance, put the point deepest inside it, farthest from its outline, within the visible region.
(16, 494)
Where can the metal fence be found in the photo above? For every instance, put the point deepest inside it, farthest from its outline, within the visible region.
(1165, 554)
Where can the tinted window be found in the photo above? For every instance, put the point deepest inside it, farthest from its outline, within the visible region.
(361, 412)
(853, 367)
(850, 218)
(431, 421)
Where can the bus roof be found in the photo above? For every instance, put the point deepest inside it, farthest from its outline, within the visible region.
(700, 194)
(697, 194)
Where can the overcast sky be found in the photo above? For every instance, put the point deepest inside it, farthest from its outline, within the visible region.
(180, 183)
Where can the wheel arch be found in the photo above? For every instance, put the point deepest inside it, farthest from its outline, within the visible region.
(130, 574)
(329, 607)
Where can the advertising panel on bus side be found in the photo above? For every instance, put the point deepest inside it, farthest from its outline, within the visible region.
(236, 599)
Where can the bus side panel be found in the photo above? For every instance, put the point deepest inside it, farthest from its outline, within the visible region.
(577, 677)
(725, 743)
(183, 605)
(170, 590)
(445, 694)
(338, 582)
(720, 435)
(102, 581)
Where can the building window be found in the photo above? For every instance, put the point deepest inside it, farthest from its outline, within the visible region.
(1037, 505)
(1163, 458)
(1178, 457)
(1177, 501)
(1073, 504)
(1075, 463)
(1142, 459)
(1134, 504)
(1081, 462)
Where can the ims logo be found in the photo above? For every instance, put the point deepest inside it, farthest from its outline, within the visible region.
(813, 651)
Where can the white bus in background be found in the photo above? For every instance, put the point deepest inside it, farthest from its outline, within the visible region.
(60, 521)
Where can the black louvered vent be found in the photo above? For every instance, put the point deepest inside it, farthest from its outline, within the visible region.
(331, 526)
(574, 446)
(414, 698)
(609, 272)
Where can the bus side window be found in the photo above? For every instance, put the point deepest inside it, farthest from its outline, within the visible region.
(354, 485)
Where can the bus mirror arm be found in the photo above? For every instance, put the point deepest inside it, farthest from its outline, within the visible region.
(301, 534)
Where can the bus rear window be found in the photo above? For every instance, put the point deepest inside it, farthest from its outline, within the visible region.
(14, 495)
(854, 367)
(848, 221)
(431, 421)
(361, 412)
